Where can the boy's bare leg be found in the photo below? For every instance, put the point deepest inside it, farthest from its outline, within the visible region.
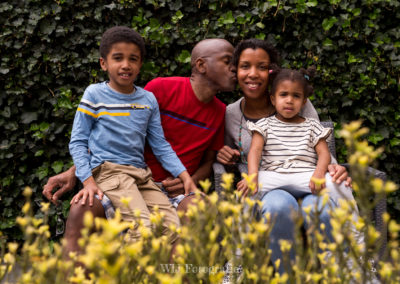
(75, 224)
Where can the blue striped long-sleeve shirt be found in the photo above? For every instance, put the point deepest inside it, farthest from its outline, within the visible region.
(114, 127)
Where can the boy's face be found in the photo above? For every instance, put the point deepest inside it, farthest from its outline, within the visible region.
(122, 64)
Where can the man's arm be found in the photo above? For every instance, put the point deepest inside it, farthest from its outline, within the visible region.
(174, 187)
(64, 182)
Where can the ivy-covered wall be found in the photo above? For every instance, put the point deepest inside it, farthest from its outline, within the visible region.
(49, 54)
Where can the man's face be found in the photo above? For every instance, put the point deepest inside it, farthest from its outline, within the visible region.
(220, 71)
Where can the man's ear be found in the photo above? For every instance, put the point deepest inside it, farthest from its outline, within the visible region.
(201, 65)
(103, 64)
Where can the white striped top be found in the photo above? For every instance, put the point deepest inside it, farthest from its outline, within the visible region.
(289, 147)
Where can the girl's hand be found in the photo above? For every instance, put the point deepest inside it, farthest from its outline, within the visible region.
(228, 156)
(317, 182)
(242, 187)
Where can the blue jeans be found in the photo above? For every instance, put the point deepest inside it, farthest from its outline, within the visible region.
(282, 205)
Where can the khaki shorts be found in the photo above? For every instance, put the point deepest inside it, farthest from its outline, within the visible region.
(117, 181)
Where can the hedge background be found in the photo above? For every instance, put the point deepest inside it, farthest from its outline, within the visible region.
(49, 54)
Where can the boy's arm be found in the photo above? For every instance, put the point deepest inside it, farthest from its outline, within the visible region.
(160, 146)
(324, 159)
(85, 117)
(254, 157)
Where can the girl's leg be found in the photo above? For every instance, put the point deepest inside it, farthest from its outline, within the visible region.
(282, 206)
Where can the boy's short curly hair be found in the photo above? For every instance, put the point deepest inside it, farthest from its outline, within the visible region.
(254, 43)
(120, 34)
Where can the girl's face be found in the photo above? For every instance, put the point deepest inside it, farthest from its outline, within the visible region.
(288, 100)
(253, 72)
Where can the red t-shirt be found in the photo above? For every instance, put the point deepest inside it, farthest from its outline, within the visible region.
(190, 126)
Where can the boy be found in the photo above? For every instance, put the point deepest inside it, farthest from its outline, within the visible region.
(113, 120)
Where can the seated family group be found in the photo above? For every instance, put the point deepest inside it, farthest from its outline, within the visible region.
(154, 144)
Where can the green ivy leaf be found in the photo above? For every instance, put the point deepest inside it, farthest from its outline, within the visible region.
(394, 142)
(375, 138)
(184, 56)
(28, 117)
(57, 166)
(327, 24)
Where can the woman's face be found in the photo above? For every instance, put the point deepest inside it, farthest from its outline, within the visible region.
(253, 72)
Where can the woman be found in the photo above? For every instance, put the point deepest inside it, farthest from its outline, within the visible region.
(252, 58)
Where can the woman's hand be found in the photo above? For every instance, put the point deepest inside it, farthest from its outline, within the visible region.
(339, 174)
(228, 156)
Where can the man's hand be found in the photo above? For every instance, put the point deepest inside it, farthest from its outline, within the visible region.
(339, 174)
(173, 186)
(228, 156)
(64, 182)
(90, 190)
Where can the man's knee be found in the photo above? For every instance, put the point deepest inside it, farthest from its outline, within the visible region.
(183, 206)
(76, 214)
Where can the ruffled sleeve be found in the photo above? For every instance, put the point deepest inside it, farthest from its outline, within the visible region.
(318, 132)
(260, 127)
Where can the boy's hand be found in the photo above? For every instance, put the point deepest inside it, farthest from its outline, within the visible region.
(190, 186)
(188, 183)
(89, 190)
(317, 182)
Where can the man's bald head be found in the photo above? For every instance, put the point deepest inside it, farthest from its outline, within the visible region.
(207, 48)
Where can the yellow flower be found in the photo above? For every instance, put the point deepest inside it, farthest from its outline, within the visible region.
(26, 207)
(285, 245)
(227, 180)
(88, 219)
(150, 269)
(9, 258)
(125, 201)
(155, 244)
(22, 221)
(27, 191)
(44, 206)
(394, 227)
(205, 184)
(180, 249)
(213, 198)
(12, 247)
(318, 181)
(390, 187)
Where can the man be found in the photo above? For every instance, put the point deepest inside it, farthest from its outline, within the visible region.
(193, 123)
